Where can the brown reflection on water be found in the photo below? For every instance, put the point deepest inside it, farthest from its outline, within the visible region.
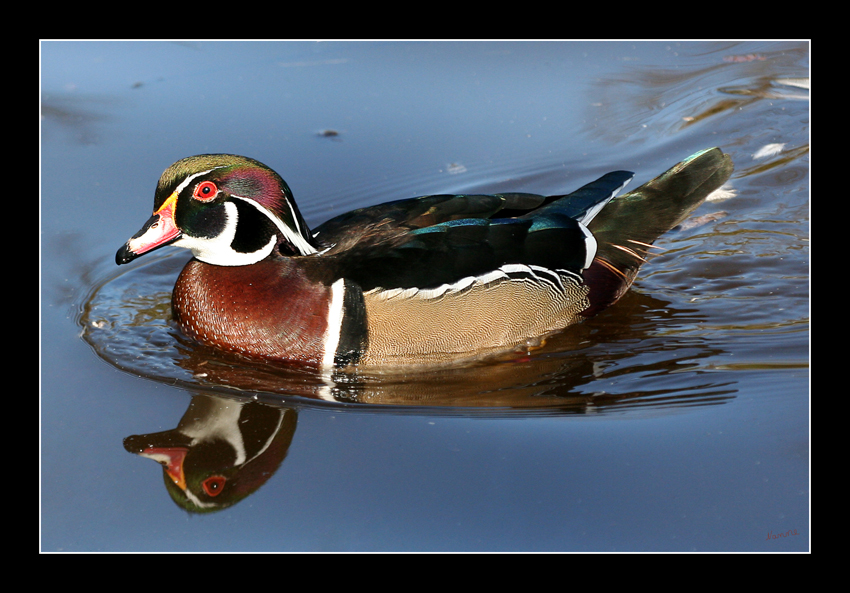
(666, 101)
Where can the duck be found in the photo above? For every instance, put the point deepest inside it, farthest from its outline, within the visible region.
(221, 451)
(431, 280)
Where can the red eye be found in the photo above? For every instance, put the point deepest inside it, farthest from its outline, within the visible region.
(214, 485)
(206, 190)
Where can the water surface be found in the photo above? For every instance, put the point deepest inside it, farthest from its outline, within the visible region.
(676, 420)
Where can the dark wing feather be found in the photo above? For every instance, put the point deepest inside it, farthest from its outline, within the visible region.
(384, 222)
(434, 240)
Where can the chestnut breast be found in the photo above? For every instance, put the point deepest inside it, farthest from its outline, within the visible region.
(267, 309)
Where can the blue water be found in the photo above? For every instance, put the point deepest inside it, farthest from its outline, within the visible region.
(677, 420)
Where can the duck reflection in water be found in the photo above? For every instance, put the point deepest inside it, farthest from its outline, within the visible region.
(221, 451)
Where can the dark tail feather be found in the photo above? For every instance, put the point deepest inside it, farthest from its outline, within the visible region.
(629, 224)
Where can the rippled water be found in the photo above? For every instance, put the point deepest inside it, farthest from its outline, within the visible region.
(677, 419)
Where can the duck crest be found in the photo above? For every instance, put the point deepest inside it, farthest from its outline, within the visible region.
(429, 280)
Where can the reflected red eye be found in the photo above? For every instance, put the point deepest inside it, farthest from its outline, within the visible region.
(206, 190)
(214, 485)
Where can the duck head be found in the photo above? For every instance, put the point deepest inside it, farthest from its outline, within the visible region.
(228, 210)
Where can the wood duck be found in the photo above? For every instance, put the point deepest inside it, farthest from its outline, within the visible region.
(221, 451)
(428, 280)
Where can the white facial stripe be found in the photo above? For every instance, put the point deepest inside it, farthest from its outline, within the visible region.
(191, 178)
(201, 504)
(296, 239)
(294, 217)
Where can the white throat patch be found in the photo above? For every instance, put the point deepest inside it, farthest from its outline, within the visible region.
(218, 250)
